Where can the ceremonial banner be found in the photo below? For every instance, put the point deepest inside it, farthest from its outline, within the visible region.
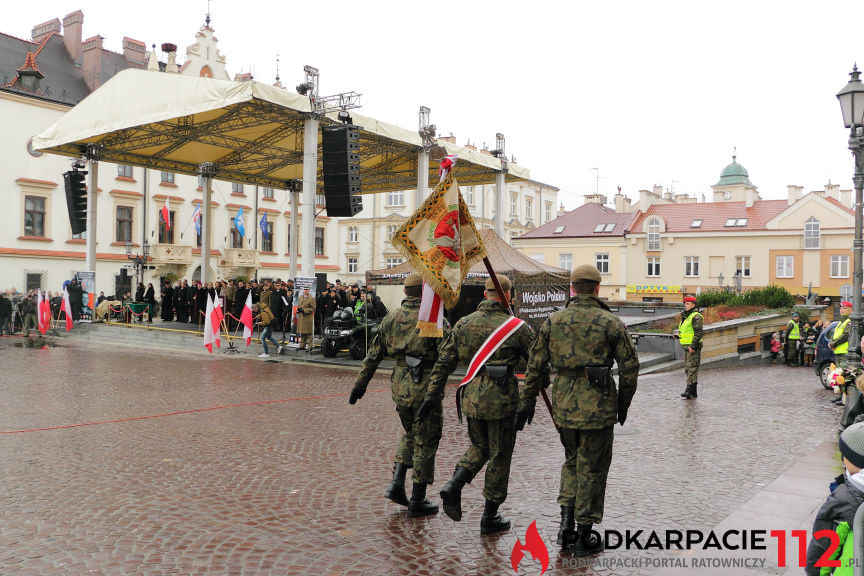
(441, 241)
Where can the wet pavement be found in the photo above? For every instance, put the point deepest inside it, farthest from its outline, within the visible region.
(142, 462)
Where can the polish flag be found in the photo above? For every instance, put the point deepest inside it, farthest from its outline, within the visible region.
(66, 308)
(166, 215)
(208, 325)
(40, 314)
(246, 318)
(431, 318)
(216, 320)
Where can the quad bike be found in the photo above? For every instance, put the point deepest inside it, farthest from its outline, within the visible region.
(343, 331)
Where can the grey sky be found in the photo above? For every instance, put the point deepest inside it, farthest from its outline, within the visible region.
(648, 92)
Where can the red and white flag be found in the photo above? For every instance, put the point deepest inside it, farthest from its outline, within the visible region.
(40, 314)
(490, 346)
(166, 214)
(216, 319)
(66, 308)
(211, 335)
(431, 317)
(246, 318)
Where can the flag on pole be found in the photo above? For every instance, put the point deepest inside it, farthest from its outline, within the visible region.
(265, 226)
(216, 319)
(442, 243)
(211, 328)
(246, 318)
(66, 307)
(432, 309)
(166, 214)
(239, 224)
(40, 314)
(196, 218)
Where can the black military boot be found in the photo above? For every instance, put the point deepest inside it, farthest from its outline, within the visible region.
(586, 542)
(492, 522)
(689, 392)
(567, 531)
(451, 493)
(693, 393)
(419, 505)
(396, 490)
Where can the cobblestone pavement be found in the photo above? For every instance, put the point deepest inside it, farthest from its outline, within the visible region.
(250, 467)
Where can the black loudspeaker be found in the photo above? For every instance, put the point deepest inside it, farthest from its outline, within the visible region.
(341, 166)
(321, 277)
(76, 199)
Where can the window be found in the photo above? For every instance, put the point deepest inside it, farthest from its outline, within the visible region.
(394, 261)
(811, 233)
(319, 241)
(654, 234)
(124, 224)
(320, 199)
(742, 266)
(352, 234)
(839, 266)
(33, 282)
(266, 192)
(236, 238)
(529, 208)
(469, 195)
(785, 267)
(547, 211)
(565, 261)
(514, 205)
(352, 264)
(602, 263)
(691, 266)
(267, 241)
(124, 171)
(736, 222)
(559, 229)
(34, 216)
(391, 231)
(696, 223)
(167, 177)
(653, 266)
(599, 228)
(165, 236)
(846, 292)
(396, 198)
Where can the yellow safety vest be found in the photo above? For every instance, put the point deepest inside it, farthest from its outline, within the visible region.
(838, 331)
(685, 329)
(794, 332)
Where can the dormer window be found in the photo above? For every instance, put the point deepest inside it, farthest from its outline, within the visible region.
(696, 223)
(736, 222)
(559, 229)
(604, 228)
(609, 228)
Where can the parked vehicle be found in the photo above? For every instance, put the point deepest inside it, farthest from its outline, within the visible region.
(824, 355)
(344, 331)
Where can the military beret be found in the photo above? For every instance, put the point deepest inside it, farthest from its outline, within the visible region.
(503, 280)
(414, 279)
(846, 304)
(585, 272)
(690, 299)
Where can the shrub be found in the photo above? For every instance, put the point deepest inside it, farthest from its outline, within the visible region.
(770, 297)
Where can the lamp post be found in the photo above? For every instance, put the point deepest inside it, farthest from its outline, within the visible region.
(139, 259)
(851, 99)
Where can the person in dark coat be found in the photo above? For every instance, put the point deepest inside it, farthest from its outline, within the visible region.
(277, 307)
(75, 296)
(240, 299)
(5, 314)
(201, 299)
(167, 303)
(139, 292)
(150, 298)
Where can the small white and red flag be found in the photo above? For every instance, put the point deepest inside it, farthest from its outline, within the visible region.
(166, 214)
(66, 308)
(431, 317)
(211, 325)
(40, 314)
(246, 318)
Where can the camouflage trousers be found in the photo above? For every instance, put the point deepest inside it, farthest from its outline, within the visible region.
(492, 441)
(691, 364)
(840, 360)
(588, 454)
(419, 443)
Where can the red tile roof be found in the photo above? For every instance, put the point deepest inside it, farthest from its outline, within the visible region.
(582, 221)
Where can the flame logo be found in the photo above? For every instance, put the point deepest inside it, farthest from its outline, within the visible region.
(533, 544)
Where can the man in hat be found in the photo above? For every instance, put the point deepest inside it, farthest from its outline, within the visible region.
(580, 344)
(690, 338)
(399, 337)
(793, 337)
(305, 319)
(489, 401)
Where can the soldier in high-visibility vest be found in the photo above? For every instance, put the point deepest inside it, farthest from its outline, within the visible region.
(839, 342)
(793, 338)
(690, 338)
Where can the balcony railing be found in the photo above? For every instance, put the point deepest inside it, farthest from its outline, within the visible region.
(240, 257)
(171, 254)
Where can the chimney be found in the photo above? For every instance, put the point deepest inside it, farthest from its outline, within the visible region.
(450, 139)
(658, 190)
(623, 203)
(243, 77)
(41, 31)
(91, 61)
(72, 25)
(646, 199)
(749, 197)
(846, 198)
(794, 193)
(135, 51)
(684, 199)
(832, 191)
(595, 198)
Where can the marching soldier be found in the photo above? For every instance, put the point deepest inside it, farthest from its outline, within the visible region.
(490, 399)
(399, 337)
(580, 343)
(690, 338)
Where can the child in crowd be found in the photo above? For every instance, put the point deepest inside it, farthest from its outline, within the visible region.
(809, 337)
(838, 511)
(775, 346)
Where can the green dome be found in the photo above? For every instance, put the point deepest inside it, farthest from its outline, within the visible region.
(734, 173)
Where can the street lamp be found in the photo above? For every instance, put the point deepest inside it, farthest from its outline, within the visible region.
(139, 260)
(851, 99)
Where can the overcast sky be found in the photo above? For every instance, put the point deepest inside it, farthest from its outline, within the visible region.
(647, 92)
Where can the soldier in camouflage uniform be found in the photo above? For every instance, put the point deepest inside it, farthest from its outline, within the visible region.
(399, 337)
(580, 343)
(690, 337)
(489, 401)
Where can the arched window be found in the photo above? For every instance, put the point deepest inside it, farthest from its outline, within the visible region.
(811, 233)
(654, 234)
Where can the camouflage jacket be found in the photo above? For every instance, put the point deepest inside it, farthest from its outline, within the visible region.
(397, 336)
(583, 334)
(482, 398)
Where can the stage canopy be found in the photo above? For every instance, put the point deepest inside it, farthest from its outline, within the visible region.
(252, 132)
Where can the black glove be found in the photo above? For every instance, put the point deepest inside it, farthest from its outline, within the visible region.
(524, 417)
(424, 410)
(622, 413)
(356, 393)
